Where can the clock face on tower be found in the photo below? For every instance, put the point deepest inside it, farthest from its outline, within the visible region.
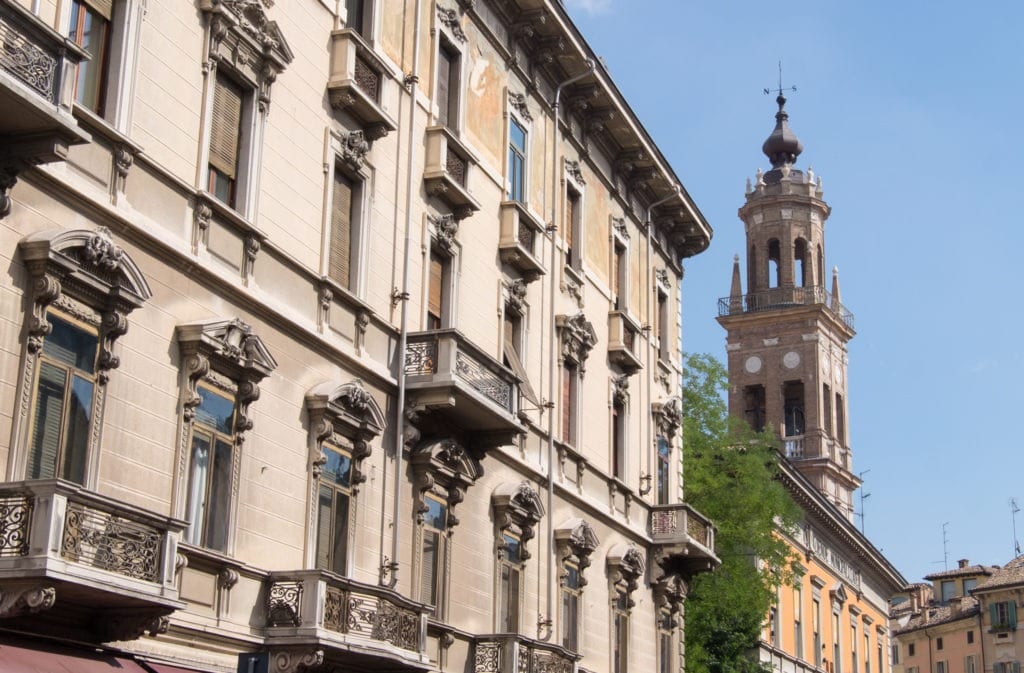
(752, 364)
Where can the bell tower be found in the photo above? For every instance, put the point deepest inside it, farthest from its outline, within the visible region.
(787, 335)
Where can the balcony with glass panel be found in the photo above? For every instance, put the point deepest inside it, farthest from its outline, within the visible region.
(502, 652)
(85, 562)
(449, 376)
(37, 75)
(357, 82)
(519, 239)
(357, 626)
(684, 539)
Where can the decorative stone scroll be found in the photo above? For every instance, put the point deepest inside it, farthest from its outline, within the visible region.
(668, 416)
(446, 231)
(343, 414)
(574, 171)
(450, 19)
(626, 565)
(576, 541)
(577, 337)
(517, 509)
(518, 103)
(444, 464)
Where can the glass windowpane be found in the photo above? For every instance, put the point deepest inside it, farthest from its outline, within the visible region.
(70, 344)
(196, 509)
(77, 442)
(215, 410)
(220, 498)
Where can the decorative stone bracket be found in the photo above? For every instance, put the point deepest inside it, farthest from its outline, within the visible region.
(626, 565)
(517, 509)
(576, 541)
(446, 464)
(343, 412)
(577, 337)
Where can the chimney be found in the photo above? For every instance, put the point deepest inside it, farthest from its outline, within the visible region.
(962, 563)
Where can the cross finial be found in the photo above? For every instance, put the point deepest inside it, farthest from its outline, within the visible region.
(780, 89)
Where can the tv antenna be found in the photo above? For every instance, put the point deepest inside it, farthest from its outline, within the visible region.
(945, 546)
(1013, 516)
(780, 89)
(863, 496)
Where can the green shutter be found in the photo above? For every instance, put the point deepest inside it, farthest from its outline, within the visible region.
(1011, 615)
(992, 615)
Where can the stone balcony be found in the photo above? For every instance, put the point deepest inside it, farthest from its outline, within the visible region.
(684, 539)
(623, 336)
(357, 83)
(94, 567)
(504, 652)
(450, 376)
(519, 232)
(347, 623)
(448, 171)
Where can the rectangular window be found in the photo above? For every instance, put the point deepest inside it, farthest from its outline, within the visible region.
(620, 632)
(776, 627)
(571, 589)
(938, 643)
(969, 664)
(435, 541)
(333, 505)
(666, 628)
(664, 475)
(853, 649)
(570, 382)
(910, 649)
(970, 637)
(90, 29)
(940, 667)
(798, 626)
(510, 561)
(816, 625)
(947, 589)
(826, 412)
(516, 161)
(356, 16)
(437, 290)
(662, 327)
(754, 406)
(895, 654)
(65, 391)
(793, 408)
(618, 440)
(1003, 615)
(212, 458)
(840, 420)
(225, 140)
(447, 94)
(867, 651)
(620, 277)
(969, 585)
(343, 240)
(837, 650)
(572, 233)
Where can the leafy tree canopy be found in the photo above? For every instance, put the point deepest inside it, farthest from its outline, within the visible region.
(730, 477)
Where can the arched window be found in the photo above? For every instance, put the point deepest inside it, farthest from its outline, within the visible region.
(773, 263)
(752, 270)
(821, 267)
(801, 263)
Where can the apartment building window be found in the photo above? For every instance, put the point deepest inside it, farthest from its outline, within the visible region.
(358, 16)
(774, 627)
(81, 288)
(516, 161)
(664, 470)
(895, 654)
(509, 591)
(881, 652)
(619, 425)
(448, 84)
(940, 667)
(970, 637)
(570, 387)
(969, 584)
(840, 420)
(223, 360)
(225, 139)
(333, 507)
(867, 651)
(910, 649)
(754, 406)
(798, 622)
(666, 632)
(816, 625)
(517, 509)
(620, 274)
(620, 632)
(434, 552)
(913, 669)
(938, 643)
(947, 590)
(344, 222)
(970, 664)
(572, 589)
(572, 229)
(90, 29)
(438, 289)
(662, 330)
(826, 412)
(793, 408)
(1003, 615)
(853, 649)
(1006, 667)
(837, 650)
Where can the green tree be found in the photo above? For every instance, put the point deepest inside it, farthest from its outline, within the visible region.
(730, 477)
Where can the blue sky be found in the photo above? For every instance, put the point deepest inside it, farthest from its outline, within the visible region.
(911, 112)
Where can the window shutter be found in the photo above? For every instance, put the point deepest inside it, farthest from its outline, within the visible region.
(993, 615)
(616, 280)
(428, 586)
(49, 417)
(519, 370)
(340, 267)
(436, 283)
(225, 125)
(104, 8)
(1011, 614)
(509, 333)
(570, 217)
(323, 528)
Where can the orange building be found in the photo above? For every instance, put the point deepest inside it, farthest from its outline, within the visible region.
(787, 361)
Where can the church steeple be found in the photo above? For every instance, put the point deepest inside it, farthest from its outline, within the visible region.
(787, 335)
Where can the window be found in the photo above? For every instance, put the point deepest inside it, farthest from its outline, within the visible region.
(1003, 615)
(816, 625)
(357, 16)
(570, 385)
(571, 591)
(333, 506)
(801, 263)
(344, 245)
(237, 97)
(774, 279)
(572, 230)
(64, 400)
(754, 407)
(666, 627)
(840, 420)
(837, 650)
(90, 29)
(517, 509)
(434, 552)
(620, 275)
(664, 466)
(618, 438)
(969, 585)
(940, 667)
(225, 138)
(223, 360)
(826, 403)
(210, 467)
(620, 632)
(798, 626)
(81, 288)
(516, 161)
(793, 408)
(509, 591)
(853, 649)
(970, 665)
(438, 290)
(1006, 667)
(910, 649)
(447, 93)
(867, 651)
(774, 627)
(661, 326)
(970, 637)
(938, 643)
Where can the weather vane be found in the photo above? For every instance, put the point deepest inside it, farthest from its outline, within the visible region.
(780, 89)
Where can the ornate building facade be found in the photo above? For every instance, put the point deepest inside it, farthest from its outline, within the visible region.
(337, 336)
(787, 361)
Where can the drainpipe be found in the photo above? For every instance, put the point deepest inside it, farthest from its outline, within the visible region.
(391, 565)
(553, 362)
(650, 341)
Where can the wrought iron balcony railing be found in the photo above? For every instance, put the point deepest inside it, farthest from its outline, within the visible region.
(59, 531)
(784, 297)
(499, 653)
(347, 618)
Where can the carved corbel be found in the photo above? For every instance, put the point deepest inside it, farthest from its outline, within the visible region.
(297, 662)
(18, 599)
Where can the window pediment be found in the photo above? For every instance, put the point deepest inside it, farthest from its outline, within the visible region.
(668, 415)
(350, 408)
(577, 337)
(625, 567)
(447, 465)
(576, 541)
(231, 344)
(517, 509)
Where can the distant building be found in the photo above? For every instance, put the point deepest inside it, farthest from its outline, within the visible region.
(787, 361)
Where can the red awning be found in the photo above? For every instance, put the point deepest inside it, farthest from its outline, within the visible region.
(167, 668)
(57, 659)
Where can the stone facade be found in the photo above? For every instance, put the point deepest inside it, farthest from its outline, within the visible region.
(326, 349)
